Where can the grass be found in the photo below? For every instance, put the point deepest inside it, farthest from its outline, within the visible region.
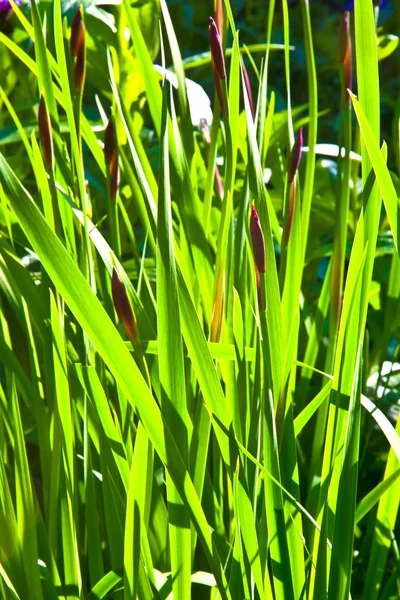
(176, 419)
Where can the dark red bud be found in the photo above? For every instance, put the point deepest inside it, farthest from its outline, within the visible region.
(111, 160)
(257, 240)
(219, 16)
(217, 53)
(260, 299)
(218, 87)
(344, 34)
(124, 308)
(77, 47)
(292, 205)
(345, 52)
(110, 142)
(248, 90)
(80, 72)
(46, 134)
(77, 33)
(295, 156)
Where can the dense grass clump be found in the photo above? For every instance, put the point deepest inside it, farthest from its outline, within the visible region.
(199, 301)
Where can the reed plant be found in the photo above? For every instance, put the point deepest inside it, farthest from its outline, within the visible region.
(191, 373)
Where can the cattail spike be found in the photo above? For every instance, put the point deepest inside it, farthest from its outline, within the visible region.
(295, 156)
(219, 16)
(260, 298)
(248, 89)
(217, 53)
(124, 308)
(290, 215)
(77, 33)
(257, 240)
(111, 160)
(46, 134)
(77, 48)
(345, 53)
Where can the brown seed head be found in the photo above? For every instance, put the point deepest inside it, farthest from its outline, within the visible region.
(77, 33)
(260, 298)
(111, 160)
(248, 89)
(219, 16)
(217, 53)
(77, 47)
(257, 240)
(45, 134)
(124, 308)
(295, 156)
(345, 52)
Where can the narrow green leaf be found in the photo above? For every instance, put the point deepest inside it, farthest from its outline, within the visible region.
(25, 510)
(172, 372)
(378, 160)
(87, 308)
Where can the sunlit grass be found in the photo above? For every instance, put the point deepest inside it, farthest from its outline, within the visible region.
(181, 411)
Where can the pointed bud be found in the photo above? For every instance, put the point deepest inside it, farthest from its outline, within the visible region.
(111, 160)
(217, 53)
(77, 33)
(77, 48)
(289, 223)
(248, 89)
(124, 308)
(219, 16)
(345, 53)
(257, 240)
(260, 299)
(218, 87)
(46, 134)
(295, 156)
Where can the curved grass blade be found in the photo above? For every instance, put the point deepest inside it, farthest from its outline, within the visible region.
(25, 509)
(373, 497)
(171, 366)
(94, 320)
(378, 160)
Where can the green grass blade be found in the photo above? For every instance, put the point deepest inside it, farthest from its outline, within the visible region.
(91, 383)
(373, 497)
(135, 524)
(25, 509)
(96, 323)
(172, 372)
(104, 586)
(313, 122)
(378, 161)
(302, 419)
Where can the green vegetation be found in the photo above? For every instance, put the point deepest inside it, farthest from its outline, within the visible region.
(199, 306)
